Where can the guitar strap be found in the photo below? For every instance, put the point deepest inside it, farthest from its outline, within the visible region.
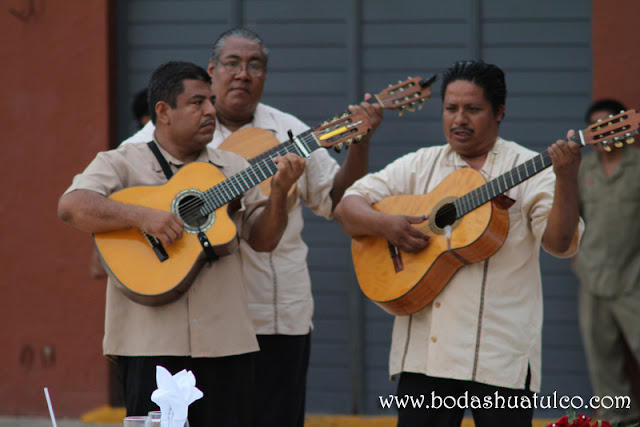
(202, 238)
(163, 162)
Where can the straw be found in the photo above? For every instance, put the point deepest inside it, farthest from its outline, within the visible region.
(53, 417)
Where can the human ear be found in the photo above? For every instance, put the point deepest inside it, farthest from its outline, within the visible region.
(162, 112)
(210, 68)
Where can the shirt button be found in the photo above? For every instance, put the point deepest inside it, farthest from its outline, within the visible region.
(437, 305)
(434, 339)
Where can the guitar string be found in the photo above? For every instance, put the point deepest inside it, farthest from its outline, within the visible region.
(475, 198)
(190, 208)
(231, 187)
(228, 189)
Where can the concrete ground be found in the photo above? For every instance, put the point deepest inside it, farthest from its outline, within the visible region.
(46, 422)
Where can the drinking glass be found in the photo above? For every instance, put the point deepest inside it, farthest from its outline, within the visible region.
(137, 421)
(155, 417)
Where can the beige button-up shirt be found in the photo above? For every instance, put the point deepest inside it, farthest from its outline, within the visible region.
(211, 319)
(486, 324)
(278, 283)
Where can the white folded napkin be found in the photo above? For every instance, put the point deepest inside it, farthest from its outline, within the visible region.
(174, 395)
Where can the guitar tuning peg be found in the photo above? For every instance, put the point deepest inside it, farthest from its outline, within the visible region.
(401, 111)
(630, 140)
(337, 147)
(411, 107)
(359, 137)
(610, 115)
(618, 144)
(420, 104)
(599, 120)
(606, 148)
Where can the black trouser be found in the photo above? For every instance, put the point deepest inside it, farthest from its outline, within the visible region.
(228, 385)
(281, 380)
(452, 392)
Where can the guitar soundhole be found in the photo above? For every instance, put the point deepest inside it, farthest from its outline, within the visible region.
(446, 215)
(189, 211)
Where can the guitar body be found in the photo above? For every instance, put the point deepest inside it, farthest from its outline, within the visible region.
(474, 237)
(129, 256)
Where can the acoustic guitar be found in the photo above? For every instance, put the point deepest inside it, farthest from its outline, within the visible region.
(404, 95)
(468, 222)
(151, 274)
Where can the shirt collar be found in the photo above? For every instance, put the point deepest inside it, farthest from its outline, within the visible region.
(453, 159)
(263, 120)
(202, 157)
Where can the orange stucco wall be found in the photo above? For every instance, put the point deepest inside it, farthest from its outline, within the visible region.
(616, 48)
(54, 112)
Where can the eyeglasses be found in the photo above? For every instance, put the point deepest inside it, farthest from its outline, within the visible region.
(254, 69)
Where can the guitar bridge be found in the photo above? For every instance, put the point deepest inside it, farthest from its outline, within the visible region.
(206, 247)
(157, 247)
(396, 257)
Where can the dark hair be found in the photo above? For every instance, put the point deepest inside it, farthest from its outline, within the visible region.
(488, 76)
(140, 106)
(610, 105)
(243, 33)
(166, 82)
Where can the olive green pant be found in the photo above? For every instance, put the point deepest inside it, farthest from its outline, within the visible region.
(607, 326)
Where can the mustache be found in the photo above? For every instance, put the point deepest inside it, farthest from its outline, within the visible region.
(462, 128)
(207, 122)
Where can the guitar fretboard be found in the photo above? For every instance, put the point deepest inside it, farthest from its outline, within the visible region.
(504, 182)
(262, 167)
(378, 99)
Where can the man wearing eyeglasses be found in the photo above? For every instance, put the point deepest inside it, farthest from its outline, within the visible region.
(278, 283)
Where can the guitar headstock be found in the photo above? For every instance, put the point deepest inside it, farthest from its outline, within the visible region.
(407, 94)
(614, 131)
(343, 130)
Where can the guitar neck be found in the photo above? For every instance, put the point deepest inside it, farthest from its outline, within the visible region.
(309, 142)
(306, 138)
(262, 167)
(481, 195)
(383, 98)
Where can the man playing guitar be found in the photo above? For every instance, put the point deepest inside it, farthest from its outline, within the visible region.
(207, 330)
(482, 333)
